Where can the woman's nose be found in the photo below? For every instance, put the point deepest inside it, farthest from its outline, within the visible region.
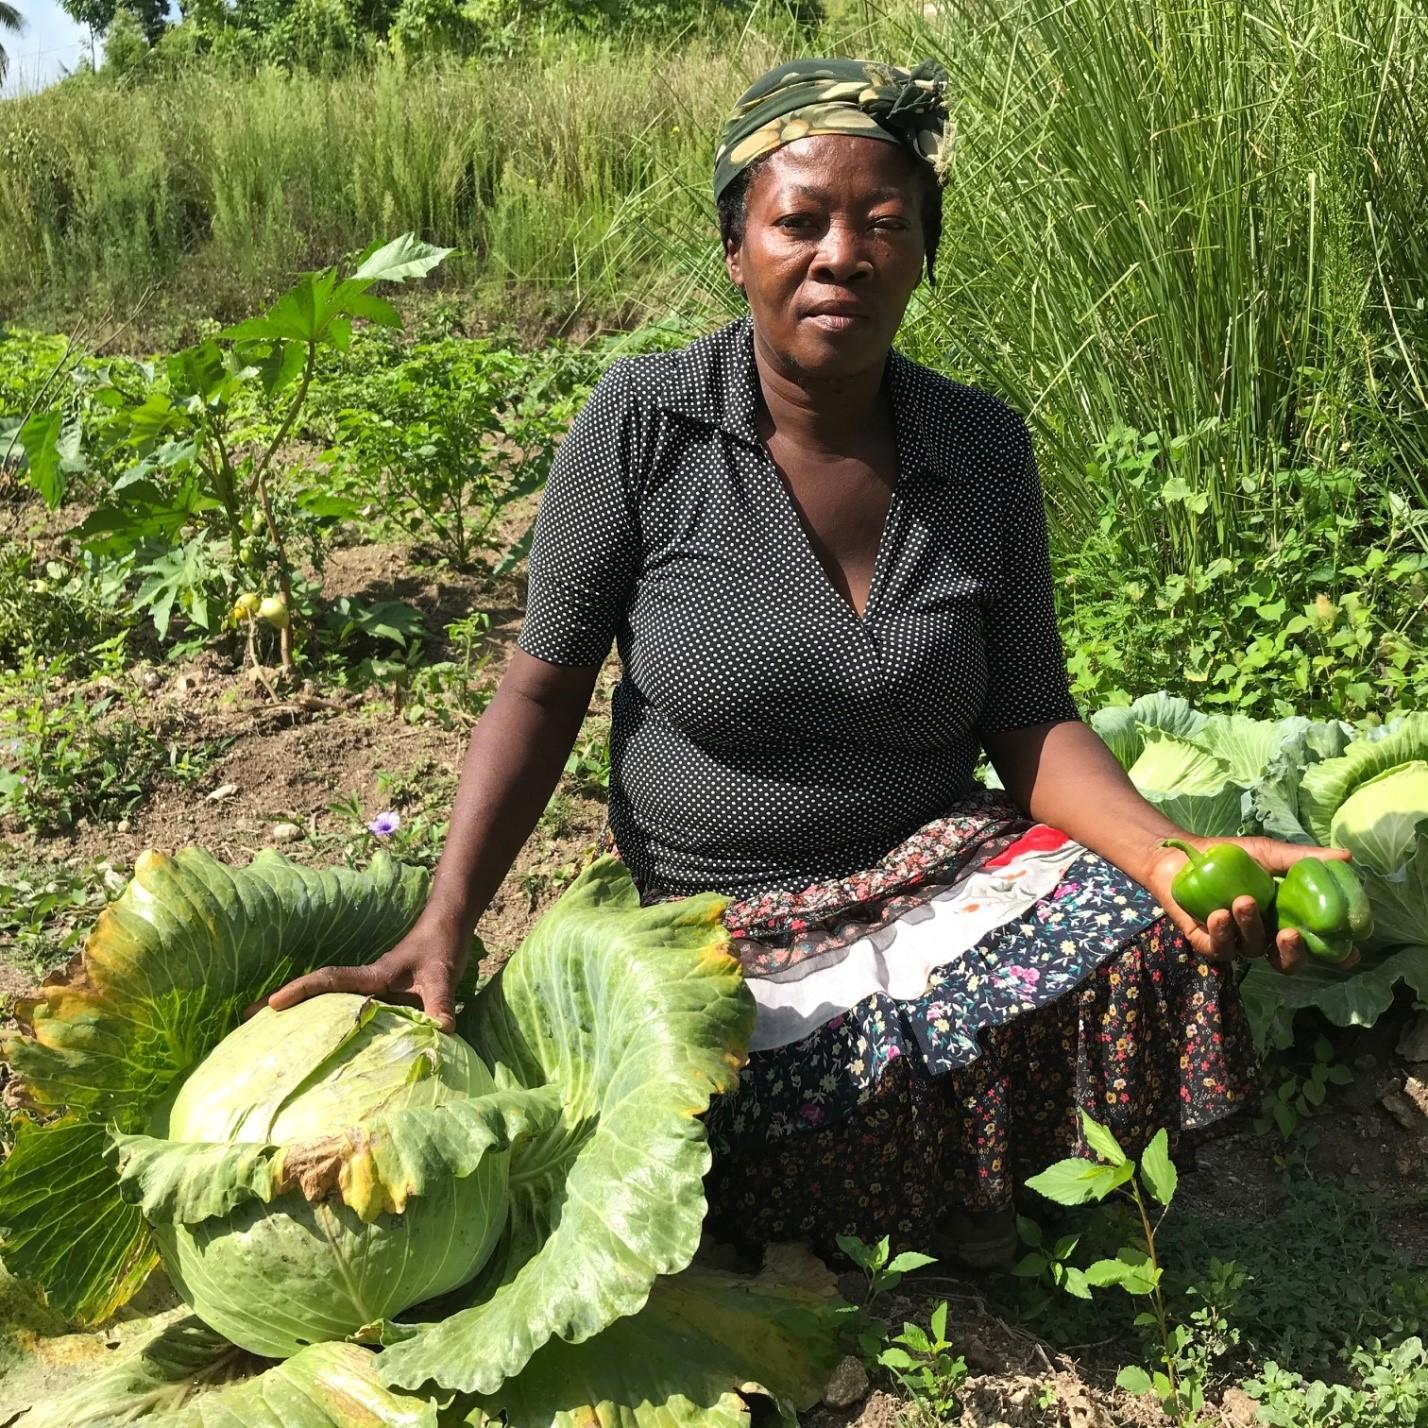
(841, 253)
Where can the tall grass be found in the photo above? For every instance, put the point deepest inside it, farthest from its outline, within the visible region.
(1198, 218)
(1203, 218)
(219, 186)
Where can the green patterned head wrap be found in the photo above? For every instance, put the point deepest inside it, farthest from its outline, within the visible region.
(833, 96)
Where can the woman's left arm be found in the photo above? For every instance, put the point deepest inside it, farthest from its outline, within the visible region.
(1065, 776)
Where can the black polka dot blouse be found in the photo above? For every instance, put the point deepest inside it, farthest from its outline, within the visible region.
(763, 735)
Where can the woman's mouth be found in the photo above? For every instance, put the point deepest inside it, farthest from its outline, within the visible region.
(835, 321)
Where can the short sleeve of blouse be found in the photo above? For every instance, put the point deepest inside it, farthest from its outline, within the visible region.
(585, 547)
(1026, 662)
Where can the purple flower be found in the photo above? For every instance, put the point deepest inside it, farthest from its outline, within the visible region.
(385, 824)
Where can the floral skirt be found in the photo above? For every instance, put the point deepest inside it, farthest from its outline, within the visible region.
(930, 1029)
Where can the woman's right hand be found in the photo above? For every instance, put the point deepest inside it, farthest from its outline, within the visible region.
(422, 970)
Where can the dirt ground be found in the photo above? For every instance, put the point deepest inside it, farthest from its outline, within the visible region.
(293, 757)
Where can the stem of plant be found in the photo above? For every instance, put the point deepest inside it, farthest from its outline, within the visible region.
(260, 485)
(1157, 1300)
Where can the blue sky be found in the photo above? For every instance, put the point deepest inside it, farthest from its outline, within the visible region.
(50, 43)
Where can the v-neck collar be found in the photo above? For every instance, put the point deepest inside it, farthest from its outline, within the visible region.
(715, 381)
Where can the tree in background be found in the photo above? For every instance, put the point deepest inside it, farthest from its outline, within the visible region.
(152, 15)
(13, 21)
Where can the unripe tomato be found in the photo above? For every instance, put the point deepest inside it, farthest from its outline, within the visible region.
(274, 611)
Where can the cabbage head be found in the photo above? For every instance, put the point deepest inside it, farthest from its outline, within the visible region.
(290, 1230)
(1373, 800)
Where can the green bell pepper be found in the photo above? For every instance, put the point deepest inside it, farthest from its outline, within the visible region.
(1215, 878)
(1325, 903)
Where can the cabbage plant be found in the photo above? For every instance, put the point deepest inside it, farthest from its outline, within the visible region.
(1200, 770)
(540, 1172)
(289, 1108)
(1367, 792)
(1302, 781)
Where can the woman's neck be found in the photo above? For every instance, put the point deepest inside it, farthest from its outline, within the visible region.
(832, 416)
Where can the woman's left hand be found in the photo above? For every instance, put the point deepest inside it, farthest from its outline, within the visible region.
(1240, 932)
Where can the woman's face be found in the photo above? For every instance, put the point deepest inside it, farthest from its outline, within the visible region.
(832, 249)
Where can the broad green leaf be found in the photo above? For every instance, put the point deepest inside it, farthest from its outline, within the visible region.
(402, 258)
(63, 1223)
(353, 300)
(1134, 1379)
(166, 974)
(1157, 1169)
(302, 314)
(172, 1356)
(1070, 1182)
(1249, 746)
(909, 1260)
(374, 1169)
(323, 1386)
(1103, 1273)
(1190, 785)
(172, 963)
(1275, 799)
(1355, 998)
(1221, 814)
(635, 1016)
(704, 1344)
(1120, 730)
(1100, 1139)
(40, 437)
(1332, 782)
(278, 364)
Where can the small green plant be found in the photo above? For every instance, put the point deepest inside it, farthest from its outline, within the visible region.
(588, 766)
(1297, 1096)
(884, 1270)
(920, 1361)
(72, 754)
(412, 836)
(453, 692)
(46, 908)
(1391, 1391)
(1135, 1267)
(922, 1364)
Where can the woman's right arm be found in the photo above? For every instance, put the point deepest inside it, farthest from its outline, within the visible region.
(513, 762)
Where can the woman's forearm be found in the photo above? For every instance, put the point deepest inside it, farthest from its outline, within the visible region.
(1064, 775)
(513, 762)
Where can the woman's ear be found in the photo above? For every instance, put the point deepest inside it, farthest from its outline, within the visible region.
(734, 266)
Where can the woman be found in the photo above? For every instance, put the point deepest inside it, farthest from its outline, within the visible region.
(826, 571)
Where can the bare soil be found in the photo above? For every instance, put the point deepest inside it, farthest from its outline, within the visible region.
(292, 758)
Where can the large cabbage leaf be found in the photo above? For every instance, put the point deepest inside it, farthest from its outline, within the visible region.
(704, 1345)
(1204, 771)
(1373, 800)
(702, 1348)
(635, 1016)
(180, 1374)
(1354, 998)
(1275, 799)
(165, 975)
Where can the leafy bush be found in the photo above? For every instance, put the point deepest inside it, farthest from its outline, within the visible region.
(589, 1297)
(442, 440)
(67, 754)
(1315, 604)
(68, 604)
